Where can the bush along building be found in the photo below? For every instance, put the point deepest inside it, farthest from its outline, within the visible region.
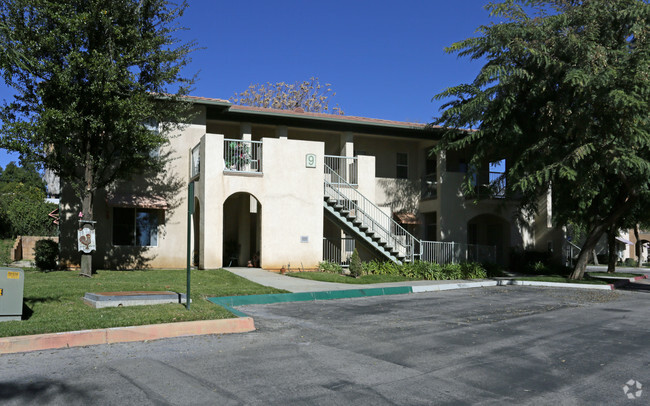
(290, 189)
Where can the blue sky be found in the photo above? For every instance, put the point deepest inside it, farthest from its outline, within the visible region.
(384, 59)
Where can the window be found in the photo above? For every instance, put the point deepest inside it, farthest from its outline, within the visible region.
(430, 178)
(402, 165)
(136, 227)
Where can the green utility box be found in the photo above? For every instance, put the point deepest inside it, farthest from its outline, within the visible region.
(12, 283)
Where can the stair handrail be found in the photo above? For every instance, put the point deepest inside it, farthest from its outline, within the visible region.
(409, 248)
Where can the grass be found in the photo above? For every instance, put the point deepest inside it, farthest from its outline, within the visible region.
(615, 275)
(562, 279)
(333, 277)
(54, 302)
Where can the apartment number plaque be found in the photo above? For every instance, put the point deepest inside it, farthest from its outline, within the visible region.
(310, 160)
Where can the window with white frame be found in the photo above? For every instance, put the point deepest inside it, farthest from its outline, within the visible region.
(136, 226)
(402, 167)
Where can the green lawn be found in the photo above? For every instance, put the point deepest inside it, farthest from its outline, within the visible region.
(615, 275)
(54, 300)
(333, 277)
(562, 279)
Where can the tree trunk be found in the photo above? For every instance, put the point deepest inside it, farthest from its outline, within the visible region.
(586, 251)
(611, 248)
(87, 211)
(637, 246)
(593, 253)
(608, 223)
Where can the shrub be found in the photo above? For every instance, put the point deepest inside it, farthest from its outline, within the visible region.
(493, 270)
(473, 270)
(356, 268)
(524, 260)
(630, 262)
(46, 253)
(332, 267)
(425, 270)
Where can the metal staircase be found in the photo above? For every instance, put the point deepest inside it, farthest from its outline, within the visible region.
(360, 217)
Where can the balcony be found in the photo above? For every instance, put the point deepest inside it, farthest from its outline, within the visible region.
(242, 156)
(491, 185)
(429, 187)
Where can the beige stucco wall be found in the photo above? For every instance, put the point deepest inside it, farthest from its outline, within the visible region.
(289, 193)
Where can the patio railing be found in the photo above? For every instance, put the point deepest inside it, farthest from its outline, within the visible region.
(338, 251)
(453, 252)
(242, 156)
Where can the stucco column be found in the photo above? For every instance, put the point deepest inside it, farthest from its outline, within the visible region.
(211, 198)
(282, 132)
(347, 144)
(245, 131)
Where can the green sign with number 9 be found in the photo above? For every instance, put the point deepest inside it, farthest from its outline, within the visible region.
(310, 161)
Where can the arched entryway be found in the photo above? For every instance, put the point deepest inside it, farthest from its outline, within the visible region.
(242, 226)
(490, 230)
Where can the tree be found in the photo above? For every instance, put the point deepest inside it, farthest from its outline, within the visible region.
(309, 95)
(26, 174)
(564, 97)
(103, 88)
(23, 209)
(356, 267)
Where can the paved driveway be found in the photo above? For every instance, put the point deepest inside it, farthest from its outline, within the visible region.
(500, 345)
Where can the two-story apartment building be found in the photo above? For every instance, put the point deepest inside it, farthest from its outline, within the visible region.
(289, 188)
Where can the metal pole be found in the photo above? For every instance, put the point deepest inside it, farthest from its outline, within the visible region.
(190, 211)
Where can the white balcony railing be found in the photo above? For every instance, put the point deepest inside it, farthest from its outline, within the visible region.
(346, 168)
(242, 156)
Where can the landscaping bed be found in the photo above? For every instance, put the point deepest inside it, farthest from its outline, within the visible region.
(53, 300)
(338, 278)
(381, 272)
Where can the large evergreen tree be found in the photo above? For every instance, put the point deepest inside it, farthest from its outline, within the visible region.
(564, 96)
(100, 75)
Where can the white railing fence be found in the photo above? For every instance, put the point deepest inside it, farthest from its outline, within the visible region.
(242, 156)
(338, 251)
(453, 252)
(345, 167)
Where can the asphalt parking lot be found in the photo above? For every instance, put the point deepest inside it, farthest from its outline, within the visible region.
(498, 345)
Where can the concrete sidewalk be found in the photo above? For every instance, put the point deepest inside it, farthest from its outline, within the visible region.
(298, 285)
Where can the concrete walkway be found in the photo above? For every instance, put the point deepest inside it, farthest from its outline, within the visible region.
(296, 285)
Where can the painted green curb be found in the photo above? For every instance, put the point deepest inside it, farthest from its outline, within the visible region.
(231, 301)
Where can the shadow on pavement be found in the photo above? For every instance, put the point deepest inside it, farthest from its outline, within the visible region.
(44, 392)
(640, 286)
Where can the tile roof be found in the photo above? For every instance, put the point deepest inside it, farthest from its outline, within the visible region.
(299, 113)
